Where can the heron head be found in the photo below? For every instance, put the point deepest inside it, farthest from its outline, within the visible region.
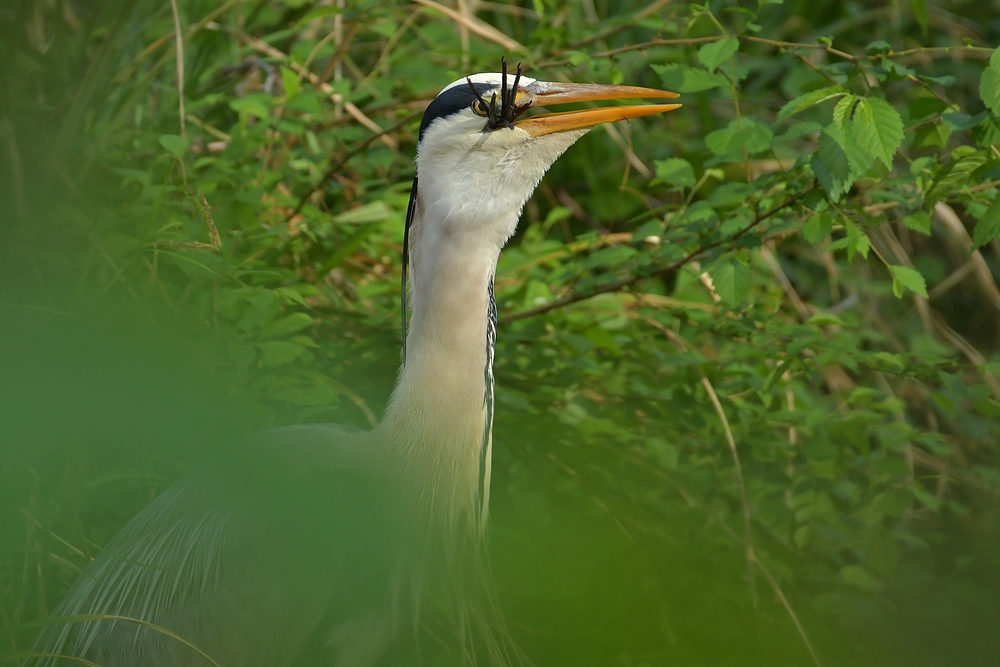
(480, 148)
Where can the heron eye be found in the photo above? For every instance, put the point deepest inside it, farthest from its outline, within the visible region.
(479, 108)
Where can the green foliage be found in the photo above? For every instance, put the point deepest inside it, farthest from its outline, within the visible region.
(794, 243)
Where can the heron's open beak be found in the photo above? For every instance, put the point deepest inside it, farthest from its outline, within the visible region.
(543, 93)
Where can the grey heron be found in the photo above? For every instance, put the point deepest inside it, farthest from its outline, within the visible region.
(321, 546)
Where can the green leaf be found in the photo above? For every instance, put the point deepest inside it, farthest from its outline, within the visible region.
(859, 160)
(807, 100)
(255, 104)
(713, 54)
(923, 107)
(905, 277)
(987, 133)
(935, 134)
(675, 171)
(881, 130)
(730, 141)
(732, 281)
(918, 222)
(829, 164)
(989, 84)
(963, 121)
(920, 13)
(954, 176)
(290, 82)
(842, 112)
(175, 144)
(859, 241)
(684, 79)
(988, 227)
(817, 228)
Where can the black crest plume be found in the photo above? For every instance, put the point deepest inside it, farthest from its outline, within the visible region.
(504, 115)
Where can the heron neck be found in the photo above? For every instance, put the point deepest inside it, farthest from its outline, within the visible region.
(441, 411)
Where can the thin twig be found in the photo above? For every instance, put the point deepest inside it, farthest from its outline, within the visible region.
(337, 98)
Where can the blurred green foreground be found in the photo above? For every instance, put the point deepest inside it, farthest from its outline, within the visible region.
(800, 266)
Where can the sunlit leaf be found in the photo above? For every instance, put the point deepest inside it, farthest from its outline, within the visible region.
(881, 130)
(713, 54)
(810, 99)
(989, 83)
(918, 222)
(905, 277)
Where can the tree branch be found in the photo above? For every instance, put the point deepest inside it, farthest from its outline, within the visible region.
(574, 297)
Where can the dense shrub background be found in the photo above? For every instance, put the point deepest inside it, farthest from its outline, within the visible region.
(748, 371)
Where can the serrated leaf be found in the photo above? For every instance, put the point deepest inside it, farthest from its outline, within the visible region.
(989, 84)
(817, 228)
(987, 133)
(829, 164)
(175, 144)
(675, 171)
(807, 100)
(713, 54)
(859, 160)
(904, 276)
(881, 129)
(918, 222)
(732, 281)
(842, 112)
(988, 227)
(859, 241)
(920, 13)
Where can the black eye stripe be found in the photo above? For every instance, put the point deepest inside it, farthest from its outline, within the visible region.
(452, 101)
